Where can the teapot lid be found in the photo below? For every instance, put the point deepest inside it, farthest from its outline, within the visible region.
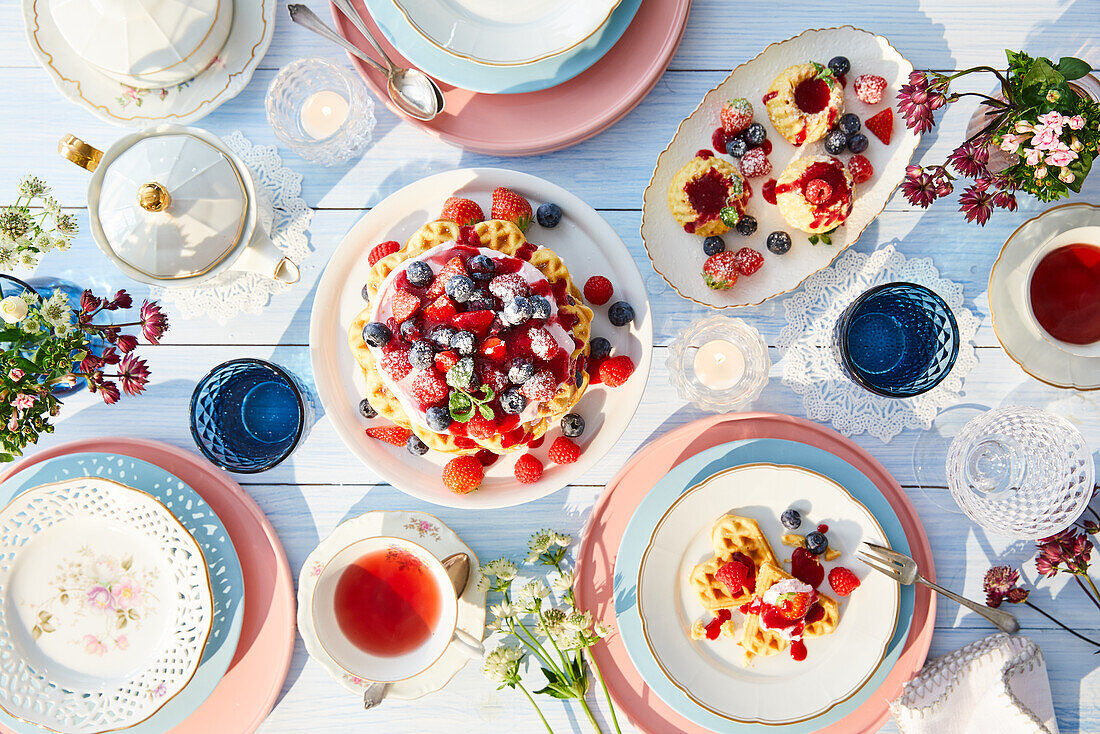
(172, 206)
(135, 37)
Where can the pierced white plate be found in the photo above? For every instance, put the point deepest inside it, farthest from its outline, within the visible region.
(678, 256)
(80, 83)
(107, 606)
(777, 689)
(586, 243)
(505, 32)
(425, 530)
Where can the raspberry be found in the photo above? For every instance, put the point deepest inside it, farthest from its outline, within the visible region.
(395, 435)
(404, 305)
(614, 371)
(396, 363)
(480, 427)
(541, 387)
(564, 451)
(735, 576)
(860, 168)
(428, 387)
(593, 370)
(528, 469)
(882, 125)
(543, 343)
(869, 88)
(598, 290)
(755, 163)
(748, 260)
(720, 271)
(380, 251)
(463, 474)
(843, 581)
(817, 191)
(736, 115)
(806, 568)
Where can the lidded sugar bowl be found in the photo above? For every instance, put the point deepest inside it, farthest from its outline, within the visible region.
(172, 206)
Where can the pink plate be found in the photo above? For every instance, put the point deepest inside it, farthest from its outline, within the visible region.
(554, 118)
(246, 694)
(596, 562)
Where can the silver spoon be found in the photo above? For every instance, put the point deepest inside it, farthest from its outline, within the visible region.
(457, 566)
(414, 93)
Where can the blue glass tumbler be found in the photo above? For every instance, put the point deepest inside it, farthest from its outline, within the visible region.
(247, 415)
(897, 340)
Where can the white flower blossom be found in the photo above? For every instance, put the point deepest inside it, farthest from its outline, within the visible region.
(51, 206)
(32, 186)
(502, 664)
(603, 630)
(561, 539)
(31, 325)
(502, 611)
(578, 621)
(563, 582)
(28, 259)
(540, 543)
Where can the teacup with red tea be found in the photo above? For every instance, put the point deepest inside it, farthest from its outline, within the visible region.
(1063, 290)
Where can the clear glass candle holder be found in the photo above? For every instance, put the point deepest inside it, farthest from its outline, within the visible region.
(321, 110)
(719, 363)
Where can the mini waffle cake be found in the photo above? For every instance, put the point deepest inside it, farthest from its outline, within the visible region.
(814, 193)
(700, 191)
(520, 361)
(804, 102)
(758, 641)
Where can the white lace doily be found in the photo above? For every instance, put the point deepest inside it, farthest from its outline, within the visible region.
(810, 369)
(285, 216)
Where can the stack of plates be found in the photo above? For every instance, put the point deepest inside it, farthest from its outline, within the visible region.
(124, 595)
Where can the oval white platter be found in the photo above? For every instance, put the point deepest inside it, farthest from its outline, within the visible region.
(678, 256)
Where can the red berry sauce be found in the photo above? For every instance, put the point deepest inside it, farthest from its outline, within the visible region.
(769, 96)
(812, 95)
(714, 627)
(832, 173)
(822, 528)
(768, 191)
(707, 194)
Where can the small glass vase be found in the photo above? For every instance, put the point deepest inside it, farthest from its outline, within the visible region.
(718, 364)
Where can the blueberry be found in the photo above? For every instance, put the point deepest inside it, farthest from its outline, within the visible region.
(746, 225)
(421, 354)
(840, 65)
(377, 334)
(459, 288)
(849, 123)
(755, 134)
(409, 329)
(790, 519)
(540, 307)
(548, 215)
(441, 336)
(481, 267)
(521, 371)
(463, 342)
(518, 311)
(599, 347)
(857, 143)
(816, 542)
(835, 142)
(621, 313)
(366, 409)
(578, 377)
(736, 147)
(439, 419)
(779, 242)
(481, 300)
(572, 425)
(365, 293)
(419, 273)
(416, 446)
(713, 245)
(511, 401)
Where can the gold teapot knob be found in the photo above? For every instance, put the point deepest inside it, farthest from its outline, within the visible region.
(153, 197)
(79, 152)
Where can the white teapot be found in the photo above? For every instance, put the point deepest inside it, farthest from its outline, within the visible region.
(172, 206)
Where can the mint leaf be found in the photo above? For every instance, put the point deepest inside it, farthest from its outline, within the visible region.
(813, 239)
(1072, 68)
(460, 406)
(486, 412)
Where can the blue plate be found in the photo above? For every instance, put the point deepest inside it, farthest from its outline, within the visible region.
(476, 77)
(217, 548)
(688, 474)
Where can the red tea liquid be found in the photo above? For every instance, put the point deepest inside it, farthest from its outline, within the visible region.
(1065, 293)
(387, 602)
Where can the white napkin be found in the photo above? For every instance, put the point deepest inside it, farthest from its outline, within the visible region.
(997, 684)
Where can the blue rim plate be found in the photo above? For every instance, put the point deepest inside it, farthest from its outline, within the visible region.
(690, 473)
(476, 77)
(217, 547)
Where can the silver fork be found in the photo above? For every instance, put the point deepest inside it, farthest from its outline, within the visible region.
(903, 569)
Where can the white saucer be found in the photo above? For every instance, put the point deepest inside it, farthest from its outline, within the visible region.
(425, 530)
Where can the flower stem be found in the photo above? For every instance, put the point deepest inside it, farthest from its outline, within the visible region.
(537, 709)
(591, 717)
(534, 646)
(1095, 595)
(564, 660)
(1067, 629)
(603, 685)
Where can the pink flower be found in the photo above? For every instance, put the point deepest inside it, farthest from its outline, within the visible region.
(919, 188)
(977, 204)
(153, 321)
(1045, 138)
(1011, 142)
(133, 374)
(1000, 585)
(127, 343)
(122, 642)
(16, 374)
(1033, 156)
(1053, 119)
(93, 646)
(970, 159)
(13, 423)
(1076, 122)
(126, 594)
(99, 598)
(23, 401)
(1061, 157)
(109, 392)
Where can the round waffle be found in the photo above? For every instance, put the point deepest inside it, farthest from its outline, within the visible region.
(506, 238)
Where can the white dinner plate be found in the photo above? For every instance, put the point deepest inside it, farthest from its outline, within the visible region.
(107, 606)
(777, 689)
(586, 243)
(678, 256)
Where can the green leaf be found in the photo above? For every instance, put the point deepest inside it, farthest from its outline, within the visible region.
(461, 406)
(486, 412)
(1072, 68)
(814, 239)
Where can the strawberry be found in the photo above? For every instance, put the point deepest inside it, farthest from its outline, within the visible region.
(755, 163)
(494, 348)
(441, 309)
(429, 387)
(793, 605)
(453, 267)
(395, 435)
(860, 168)
(882, 125)
(477, 322)
(489, 374)
(396, 363)
(564, 451)
(720, 271)
(380, 251)
(614, 371)
(511, 207)
(598, 290)
(735, 576)
(445, 360)
(461, 211)
(869, 88)
(748, 260)
(480, 427)
(463, 474)
(806, 568)
(404, 305)
(736, 115)
(843, 581)
(528, 469)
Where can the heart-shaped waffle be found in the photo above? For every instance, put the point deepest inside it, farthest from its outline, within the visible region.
(731, 534)
(758, 641)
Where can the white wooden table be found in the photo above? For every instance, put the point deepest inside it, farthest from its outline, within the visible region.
(321, 485)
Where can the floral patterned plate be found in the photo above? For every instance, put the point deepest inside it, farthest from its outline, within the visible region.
(425, 530)
(107, 606)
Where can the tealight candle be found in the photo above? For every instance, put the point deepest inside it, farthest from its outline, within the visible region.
(323, 113)
(719, 364)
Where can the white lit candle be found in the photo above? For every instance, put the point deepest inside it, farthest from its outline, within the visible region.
(323, 113)
(719, 364)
